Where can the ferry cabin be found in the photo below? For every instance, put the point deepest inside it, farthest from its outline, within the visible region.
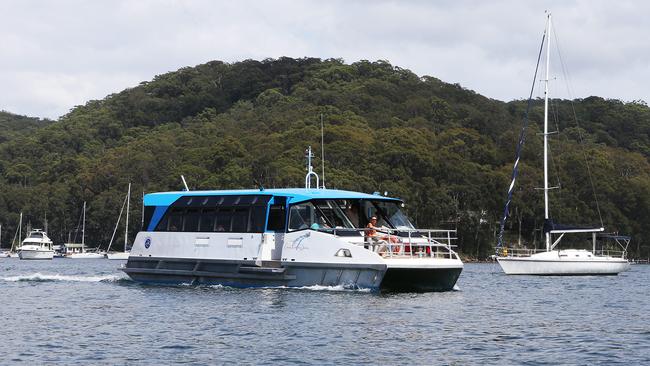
(282, 237)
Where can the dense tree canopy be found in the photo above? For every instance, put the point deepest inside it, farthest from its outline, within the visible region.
(445, 150)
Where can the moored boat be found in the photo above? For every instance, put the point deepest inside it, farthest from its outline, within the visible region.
(37, 245)
(78, 251)
(552, 261)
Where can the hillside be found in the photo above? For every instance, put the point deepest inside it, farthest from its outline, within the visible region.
(446, 150)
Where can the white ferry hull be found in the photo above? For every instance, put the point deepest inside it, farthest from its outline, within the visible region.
(309, 260)
(244, 274)
(551, 264)
(36, 254)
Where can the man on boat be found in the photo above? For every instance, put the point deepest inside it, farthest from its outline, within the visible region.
(372, 234)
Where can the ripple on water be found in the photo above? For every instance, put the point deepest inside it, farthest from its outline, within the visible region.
(91, 313)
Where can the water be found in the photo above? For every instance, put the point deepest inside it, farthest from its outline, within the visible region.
(87, 312)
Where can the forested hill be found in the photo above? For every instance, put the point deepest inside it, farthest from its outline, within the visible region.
(447, 151)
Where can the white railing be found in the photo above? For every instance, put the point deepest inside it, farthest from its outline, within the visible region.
(413, 243)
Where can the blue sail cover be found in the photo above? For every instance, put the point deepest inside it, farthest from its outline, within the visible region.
(549, 226)
(520, 145)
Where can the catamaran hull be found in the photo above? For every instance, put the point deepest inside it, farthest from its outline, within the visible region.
(36, 254)
(531, 266)
(247, 274)
(421, 274)
(421, 280)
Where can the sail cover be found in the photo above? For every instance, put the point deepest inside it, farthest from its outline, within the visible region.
(550, 226)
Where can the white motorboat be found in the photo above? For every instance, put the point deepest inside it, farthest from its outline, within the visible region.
(554, 261)
(289, 237)
(37, 245)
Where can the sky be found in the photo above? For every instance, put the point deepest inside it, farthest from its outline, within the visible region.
(55, 55)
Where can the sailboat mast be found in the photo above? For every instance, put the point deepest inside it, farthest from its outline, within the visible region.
(548, 56)
(83, 229)
(126, 225)
(20, 229)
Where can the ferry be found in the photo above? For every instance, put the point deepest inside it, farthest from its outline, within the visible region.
(292, 237)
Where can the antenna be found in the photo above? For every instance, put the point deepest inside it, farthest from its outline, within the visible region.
(184, 183)
(310, 170)
(322, 147)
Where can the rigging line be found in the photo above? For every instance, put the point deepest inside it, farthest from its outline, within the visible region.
(550, 152)
(556, 116)
(565, 73)
(520, 144)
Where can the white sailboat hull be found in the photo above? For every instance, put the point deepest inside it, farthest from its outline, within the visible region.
(118, 256)
(36, 254)
(563, 263)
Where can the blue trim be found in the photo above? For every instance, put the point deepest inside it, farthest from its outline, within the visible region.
(155, 218)
(294, 195)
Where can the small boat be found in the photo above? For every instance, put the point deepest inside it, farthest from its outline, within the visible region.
(37, 245)
(125, 254)
(289, 237)
(78, 251)
(552, 261)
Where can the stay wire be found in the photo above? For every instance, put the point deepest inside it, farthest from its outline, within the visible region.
(565, 73)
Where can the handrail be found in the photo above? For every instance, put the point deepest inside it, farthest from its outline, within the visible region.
(418, 243)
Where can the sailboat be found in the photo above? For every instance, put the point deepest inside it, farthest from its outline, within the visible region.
(553, 261)
(125, 254)
(82, 253)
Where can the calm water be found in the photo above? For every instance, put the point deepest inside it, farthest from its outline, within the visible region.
(86, 312)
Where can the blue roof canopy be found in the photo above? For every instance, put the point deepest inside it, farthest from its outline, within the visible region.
(293, 195)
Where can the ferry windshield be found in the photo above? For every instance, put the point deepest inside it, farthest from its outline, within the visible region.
(392, 212)
(36, 236)
(319, 214)
(346, 214)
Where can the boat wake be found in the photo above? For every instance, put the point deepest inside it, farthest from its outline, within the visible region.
(332, 288)
(339, 288)
(38, 277)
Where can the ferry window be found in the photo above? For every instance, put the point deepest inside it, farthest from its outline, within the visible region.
(300, 216)
(276, 218)
(239, 220)
(162, 225)
(305, 216)
(175, 220)
(191, 220)
(207, 220)
(394, 214)
(222, 220)
(148, 214)
(333, 211)
(258, 215)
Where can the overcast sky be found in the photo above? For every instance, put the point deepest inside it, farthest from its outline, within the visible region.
(59, 54)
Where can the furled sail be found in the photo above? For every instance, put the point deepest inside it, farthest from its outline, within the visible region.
(520, 145)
